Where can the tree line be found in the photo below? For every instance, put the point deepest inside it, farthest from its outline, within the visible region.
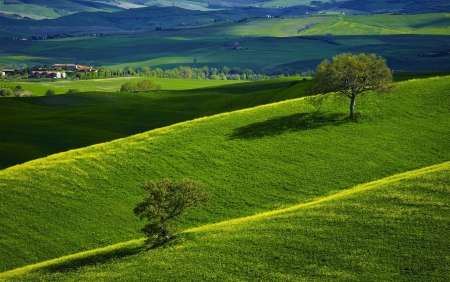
(187, 72)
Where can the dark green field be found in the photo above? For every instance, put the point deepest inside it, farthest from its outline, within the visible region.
(255, 160)
(281, 43)
(299, 191)
(37, 127)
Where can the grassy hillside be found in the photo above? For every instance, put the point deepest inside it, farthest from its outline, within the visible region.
(254, 160)
(438, 23)
(41, 9)
(61, 86)
(37, 127)
(393, 229)
(387, 6)
(266, 43)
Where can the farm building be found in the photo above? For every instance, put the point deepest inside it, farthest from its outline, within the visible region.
(49, 74)
(7, 72)
(85, 69)
(70, 67)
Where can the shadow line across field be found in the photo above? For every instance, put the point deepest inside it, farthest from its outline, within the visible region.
(291, 123)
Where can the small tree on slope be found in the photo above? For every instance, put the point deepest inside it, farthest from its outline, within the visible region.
(351, 75)
(164, 201)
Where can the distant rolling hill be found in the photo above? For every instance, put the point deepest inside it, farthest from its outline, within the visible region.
(253, 160)
(40, 9)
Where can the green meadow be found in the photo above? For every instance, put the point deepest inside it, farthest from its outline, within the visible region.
(36, 127)
(61, 86)
(299, 194)
(30, 10)
(267, 43)
(300, 191)
(393, 229)
(436, 24)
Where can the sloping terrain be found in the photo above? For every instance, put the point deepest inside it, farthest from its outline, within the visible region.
(252, 161)
(41, 9)
(393, 6)
(28, 125)
(384, 25)
(191, 38)
(394, 228)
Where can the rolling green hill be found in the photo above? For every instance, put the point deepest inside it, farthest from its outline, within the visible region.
(254, 160)
(387, 230)
(438, 23)
(41, 9)
(113, 84)
(388, 6)
(37, 127)
(298, 43)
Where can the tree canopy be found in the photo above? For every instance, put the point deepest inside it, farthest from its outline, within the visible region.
(49, 92)
(143, 85)
(351, 75)
(164, 201)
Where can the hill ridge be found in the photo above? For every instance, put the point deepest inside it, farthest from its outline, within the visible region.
(356, 189)
(164, 130)
(287, 160)
(260, 216)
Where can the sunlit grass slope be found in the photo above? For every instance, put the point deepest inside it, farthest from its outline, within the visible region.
(112, 84)
(393, 229)
(252, 161)
(266, 43)
(37, 127)
(436, 24)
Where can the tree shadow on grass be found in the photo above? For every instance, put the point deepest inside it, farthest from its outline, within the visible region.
(91, 260)
(292, 123)
(72, 264)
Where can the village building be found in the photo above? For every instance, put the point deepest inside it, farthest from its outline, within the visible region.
(7, 72)
(85, 69)
(67, 67)
(72, 67)
(233, 45)
(48, 74)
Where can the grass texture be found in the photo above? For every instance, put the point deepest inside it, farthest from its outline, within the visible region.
(429, 24)
(266, 43)
(113, 84)
(265, 158)
(392, 229)
(40, 126)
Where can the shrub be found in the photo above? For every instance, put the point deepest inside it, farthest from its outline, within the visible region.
(6, 92)
(143, 85)
(73, 90)
(49, 93)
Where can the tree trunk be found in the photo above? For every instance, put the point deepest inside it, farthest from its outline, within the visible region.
(164, 235)
(352, 105)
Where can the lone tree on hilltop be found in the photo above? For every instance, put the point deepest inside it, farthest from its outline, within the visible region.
(164, 201)
(351, 75)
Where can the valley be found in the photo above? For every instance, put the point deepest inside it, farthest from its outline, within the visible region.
(299, 190)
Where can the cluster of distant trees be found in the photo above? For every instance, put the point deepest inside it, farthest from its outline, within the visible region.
(143, 85)
(205, 72)
(18, 91)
